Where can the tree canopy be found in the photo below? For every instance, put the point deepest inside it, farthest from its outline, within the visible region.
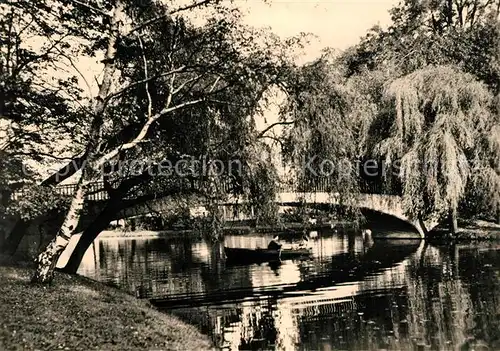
(442, 32)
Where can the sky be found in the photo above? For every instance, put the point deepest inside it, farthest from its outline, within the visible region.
(335, 23)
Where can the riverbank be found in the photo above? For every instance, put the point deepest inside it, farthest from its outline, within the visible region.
(479, 230)
(238, 229)
(76, 313)
(476, 230)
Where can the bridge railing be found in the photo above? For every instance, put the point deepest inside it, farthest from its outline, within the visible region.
(96, 190)
(329, 185)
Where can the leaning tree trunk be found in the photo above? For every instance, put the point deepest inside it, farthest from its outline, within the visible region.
(90, 234)
(47, 260)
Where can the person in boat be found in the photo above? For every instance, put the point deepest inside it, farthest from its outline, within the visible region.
(274, 244)
(305, 242)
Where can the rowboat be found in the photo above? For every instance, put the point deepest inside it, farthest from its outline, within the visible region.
(264, 255)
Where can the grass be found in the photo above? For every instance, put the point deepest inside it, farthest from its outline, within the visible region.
(469, 230)
(76, 313)
(479, 230)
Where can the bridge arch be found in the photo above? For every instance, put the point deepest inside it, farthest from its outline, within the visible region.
(387, 204)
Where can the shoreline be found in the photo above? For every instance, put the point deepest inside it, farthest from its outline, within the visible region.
(291, 228)
(78, 313)
(474, 231)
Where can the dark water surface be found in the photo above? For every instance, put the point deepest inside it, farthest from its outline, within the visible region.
(352, 294)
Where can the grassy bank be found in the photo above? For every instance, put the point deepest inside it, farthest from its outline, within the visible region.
(469, 230)
(76, 313)
(479, 230)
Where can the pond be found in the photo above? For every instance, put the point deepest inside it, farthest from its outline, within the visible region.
(353, 293)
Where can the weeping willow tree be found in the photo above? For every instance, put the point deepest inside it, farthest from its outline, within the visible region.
(328, 119)
(441, 116)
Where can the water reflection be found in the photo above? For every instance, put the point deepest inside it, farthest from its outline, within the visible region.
(352, 294)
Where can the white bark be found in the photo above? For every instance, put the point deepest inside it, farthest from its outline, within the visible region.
(47, 259)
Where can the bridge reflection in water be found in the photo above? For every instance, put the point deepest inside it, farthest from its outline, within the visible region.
(350, 295)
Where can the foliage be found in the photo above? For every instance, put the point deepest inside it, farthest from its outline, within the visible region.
(440, 117)
(39, 106)
(263, 191)
(180, 89)
(442, 32)
(40, 103)
(34, 201)
(408, 132)
(482, 197)
(330, 117)
(483, 192)
(221, 74)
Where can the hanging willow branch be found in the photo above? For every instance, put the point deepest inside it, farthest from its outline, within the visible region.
(440, 117)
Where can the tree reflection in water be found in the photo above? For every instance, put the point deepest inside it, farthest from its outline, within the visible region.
(389, 295)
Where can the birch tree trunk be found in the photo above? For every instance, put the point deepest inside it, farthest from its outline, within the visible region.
(47, 259)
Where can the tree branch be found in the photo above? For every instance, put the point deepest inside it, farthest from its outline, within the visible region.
(261, 134)
(142, 81)
(36, 153)
(65, 172)
(170, 91)
(150, 102)
(168, 14)
(89, 7)
(273, 138)
(76, 69)
(186, 82)
(142, 134)
(214, 84)
(25, 63)
(192, 6)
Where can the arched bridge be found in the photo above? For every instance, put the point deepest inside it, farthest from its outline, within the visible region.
(368, 199)
(391, 205)
(384, 203)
